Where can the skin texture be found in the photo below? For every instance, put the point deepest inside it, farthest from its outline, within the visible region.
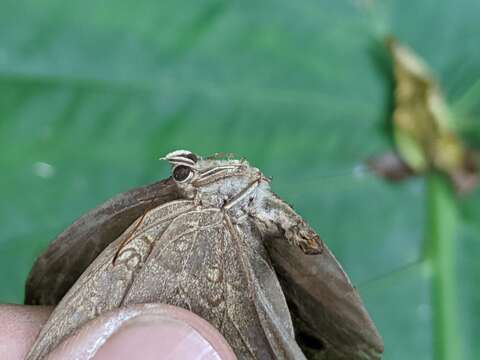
(20, 326)
(249, 216)
(146, 331)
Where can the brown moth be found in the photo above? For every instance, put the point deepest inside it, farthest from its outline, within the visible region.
(211, 239)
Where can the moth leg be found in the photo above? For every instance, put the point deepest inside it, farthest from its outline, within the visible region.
(274, 217)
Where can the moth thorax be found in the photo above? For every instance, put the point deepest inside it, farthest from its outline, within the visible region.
(208, 199)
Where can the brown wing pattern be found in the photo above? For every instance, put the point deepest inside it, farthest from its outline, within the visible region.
(103, 285)
(199, 268)
(327, 310)
(270, 305)
(196, 259)
(67, 257)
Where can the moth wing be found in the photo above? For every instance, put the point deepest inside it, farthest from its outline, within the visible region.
(67, 257)
(104, 284)
(270, 302)
(328, 314)
(206, 267)
(197, 265)
(281, 340)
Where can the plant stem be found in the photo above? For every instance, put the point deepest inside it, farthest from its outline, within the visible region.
(442, 220)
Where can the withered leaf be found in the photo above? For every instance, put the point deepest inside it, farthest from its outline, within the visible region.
(424, 130)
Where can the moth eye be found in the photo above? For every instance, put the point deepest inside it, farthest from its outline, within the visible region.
(182, 173)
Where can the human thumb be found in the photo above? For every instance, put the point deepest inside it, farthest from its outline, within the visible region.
(147, 331)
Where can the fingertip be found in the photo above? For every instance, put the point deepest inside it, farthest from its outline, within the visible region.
(159, 337)
(20, 325)
(148, 331)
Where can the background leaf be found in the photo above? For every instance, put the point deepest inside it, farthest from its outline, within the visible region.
(92, 93)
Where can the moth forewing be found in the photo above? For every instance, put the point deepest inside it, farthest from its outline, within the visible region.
(329, 317)
(104, 285)
(67, 257)
(270, 304)
(325, 305)
(194, 256)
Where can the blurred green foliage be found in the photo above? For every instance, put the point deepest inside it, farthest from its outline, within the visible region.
(93, 92)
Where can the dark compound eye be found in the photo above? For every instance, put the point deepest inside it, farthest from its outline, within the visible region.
(181, 173)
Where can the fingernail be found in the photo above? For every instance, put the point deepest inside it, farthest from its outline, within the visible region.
(157, 337)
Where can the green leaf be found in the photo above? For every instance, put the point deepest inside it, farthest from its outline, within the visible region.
(92, 93)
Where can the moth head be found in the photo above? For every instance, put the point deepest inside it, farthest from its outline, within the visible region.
(183, 165)
(216, 175)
